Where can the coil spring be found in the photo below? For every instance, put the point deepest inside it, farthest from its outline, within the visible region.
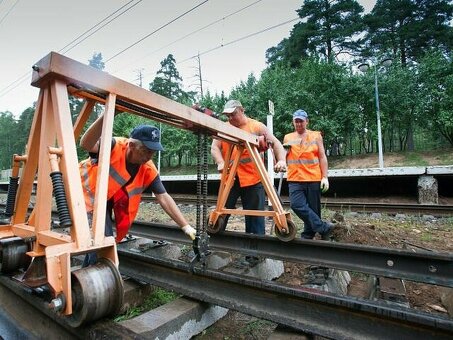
(60, 199)
(11, 199)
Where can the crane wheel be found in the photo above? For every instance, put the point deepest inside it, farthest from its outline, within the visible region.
(13, 254)
(288, 236)
(97, 291)
(218, 226)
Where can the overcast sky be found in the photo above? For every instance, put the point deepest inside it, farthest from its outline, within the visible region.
(29, 30)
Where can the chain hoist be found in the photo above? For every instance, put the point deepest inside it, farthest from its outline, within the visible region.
(201, 242)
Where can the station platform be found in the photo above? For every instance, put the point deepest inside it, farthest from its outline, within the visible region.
(344, 183)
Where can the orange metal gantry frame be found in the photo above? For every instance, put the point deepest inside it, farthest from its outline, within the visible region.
(52, 148)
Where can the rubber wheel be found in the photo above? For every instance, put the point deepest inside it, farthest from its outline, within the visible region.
(219, 225)
(290, 235)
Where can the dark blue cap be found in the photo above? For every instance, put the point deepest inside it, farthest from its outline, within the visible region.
(149, 136)
(300, 114)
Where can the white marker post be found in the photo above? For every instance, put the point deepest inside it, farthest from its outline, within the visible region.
(270, 154)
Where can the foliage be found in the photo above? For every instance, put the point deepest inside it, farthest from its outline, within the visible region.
(168, 83)
(436, 80)
(309, 70)
(406, 28)
(158, 298)
(328, 29)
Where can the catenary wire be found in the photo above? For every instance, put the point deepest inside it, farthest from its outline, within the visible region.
(156, 30)
(24, 77)
(196, 31)
(237, 40)
(9, 11)
(99, 23)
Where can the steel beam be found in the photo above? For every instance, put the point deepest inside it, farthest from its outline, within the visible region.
(308, 310)
(423, 266)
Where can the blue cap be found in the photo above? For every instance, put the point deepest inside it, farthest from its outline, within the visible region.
(149, 136)
(300, 114)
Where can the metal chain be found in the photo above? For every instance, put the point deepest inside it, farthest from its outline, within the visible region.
(199, 186)
(202, 182)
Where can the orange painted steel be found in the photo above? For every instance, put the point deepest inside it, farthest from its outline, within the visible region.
(52, 148)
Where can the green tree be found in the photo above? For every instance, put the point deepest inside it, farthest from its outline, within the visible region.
(436, 85)
(96, 61)
(406, 28)
(8, 136)
(329, 28)
(168, 82)
(177, 142)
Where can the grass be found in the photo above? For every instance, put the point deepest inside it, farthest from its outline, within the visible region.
(414, 159)
(157, 298)
(256, 326)
(391, 159)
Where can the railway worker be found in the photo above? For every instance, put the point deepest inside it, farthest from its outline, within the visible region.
(131, 173)
(307, 176)
(247, 184)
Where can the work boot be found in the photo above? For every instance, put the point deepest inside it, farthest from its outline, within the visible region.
(328, 235)
(252, 260)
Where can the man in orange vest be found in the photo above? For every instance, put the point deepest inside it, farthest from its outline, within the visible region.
(307, 176)
(131, 172)
(247, 184)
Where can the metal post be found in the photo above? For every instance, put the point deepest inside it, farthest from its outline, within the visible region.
(158, 154)
(378, 114)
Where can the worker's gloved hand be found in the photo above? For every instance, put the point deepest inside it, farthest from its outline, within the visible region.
(220, 167)
(287, 146)
(280, 166)
(189, 231)
(324, 184)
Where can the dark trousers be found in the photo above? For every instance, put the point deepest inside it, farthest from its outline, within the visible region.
(305, 200)
(252, 198)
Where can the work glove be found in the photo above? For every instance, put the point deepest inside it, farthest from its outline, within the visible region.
(220, 167)
(324, 184)
(280, 166)
(287, 146)
(189, 231)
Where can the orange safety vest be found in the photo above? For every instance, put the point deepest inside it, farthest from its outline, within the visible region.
(247, 172)
(303, 158)
(118, 177)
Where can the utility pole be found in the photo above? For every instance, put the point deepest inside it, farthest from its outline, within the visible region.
(140, 76)
(199, 75)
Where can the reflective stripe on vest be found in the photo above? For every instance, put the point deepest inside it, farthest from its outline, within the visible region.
(247, 172)
(118, 177)
(303, 157)
(303, 161)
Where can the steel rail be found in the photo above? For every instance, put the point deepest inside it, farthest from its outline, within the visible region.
(342, 206)
(422, 266)
(18, 300)
(308, 310)
(364, 207)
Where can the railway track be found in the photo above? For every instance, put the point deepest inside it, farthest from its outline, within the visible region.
(346, 206)
(335, 205)
(302, 308)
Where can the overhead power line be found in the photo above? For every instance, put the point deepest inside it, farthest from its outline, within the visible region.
(99, 23)
(9, 11)
(24, 77)
(199, 29)
(237, 40)
(157, 30)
